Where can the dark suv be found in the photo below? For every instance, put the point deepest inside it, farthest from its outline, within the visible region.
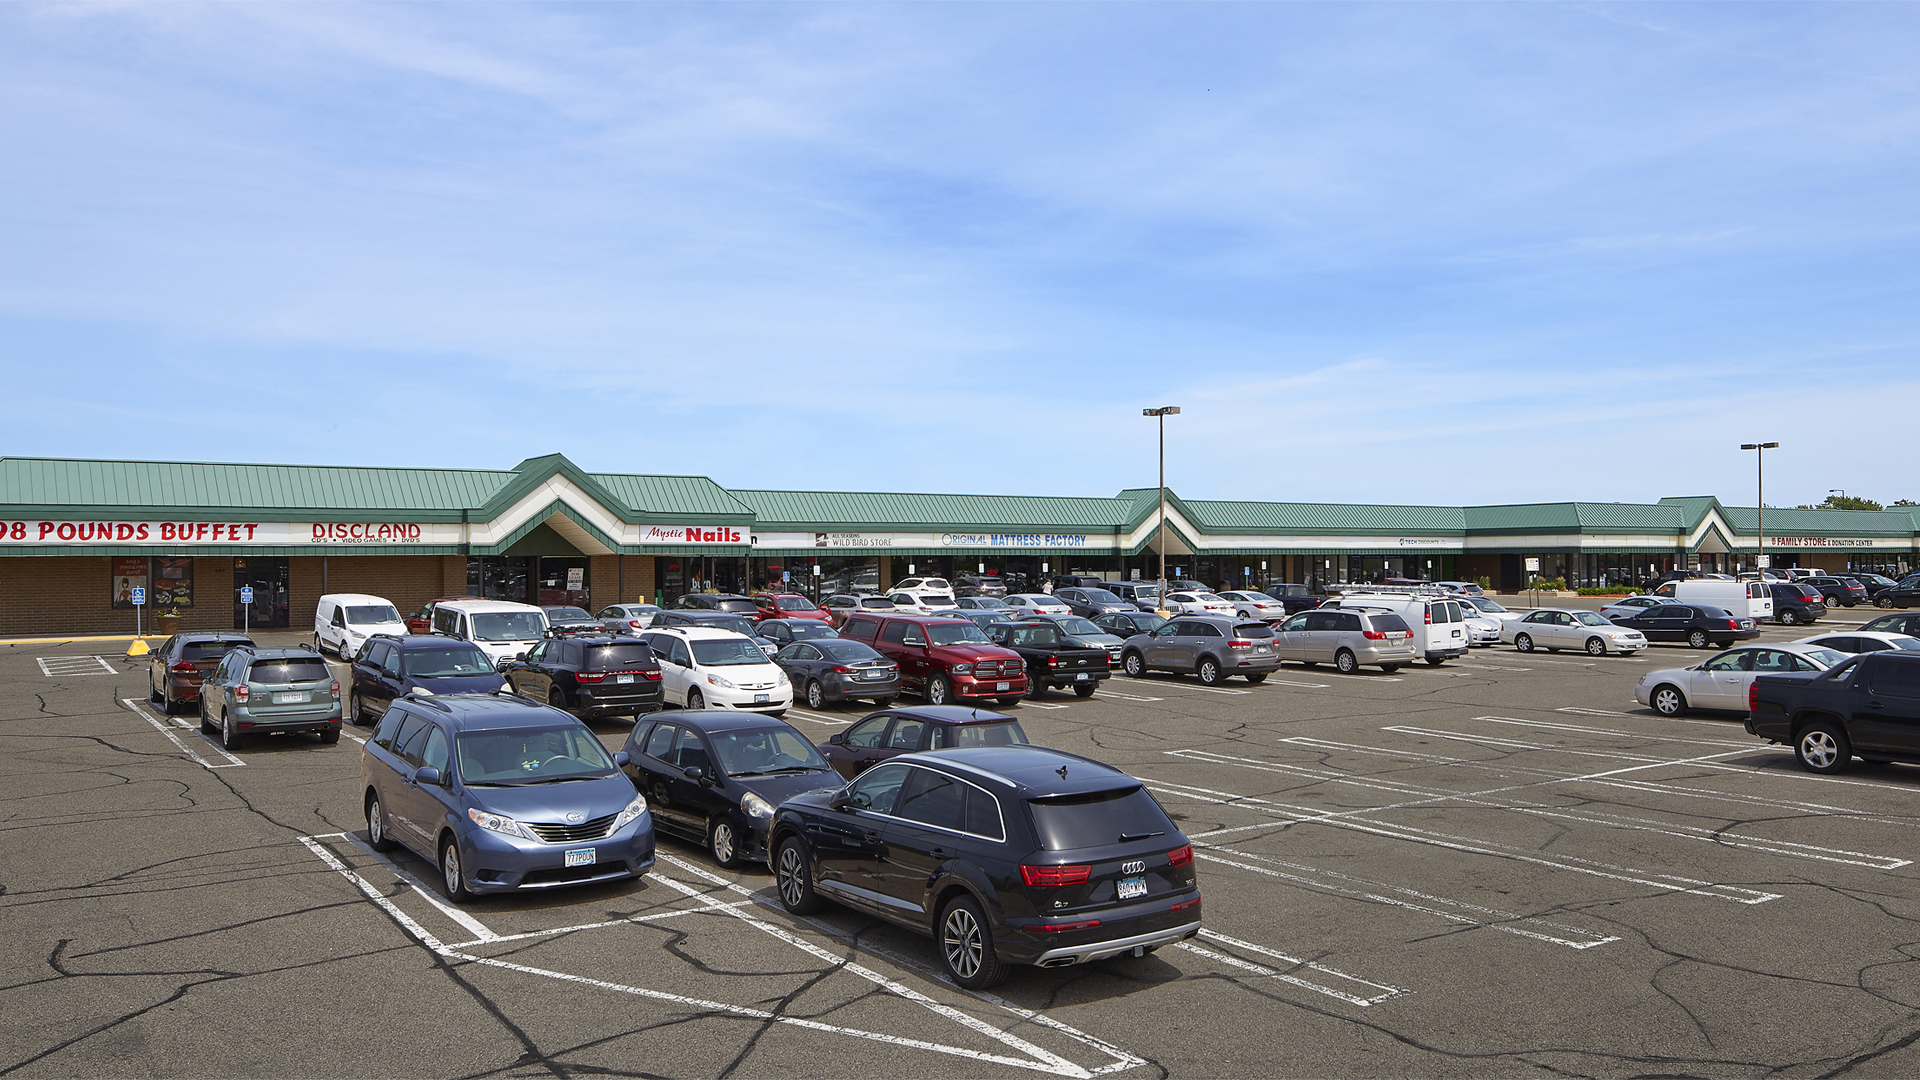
(391, 667)
(174, 670)
(732, 603)
(602, 675)
(1838, 590)
(1794, 603)
(1004, 855)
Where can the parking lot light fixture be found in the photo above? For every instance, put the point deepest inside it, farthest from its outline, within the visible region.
(1162, 413)
(1760, 498)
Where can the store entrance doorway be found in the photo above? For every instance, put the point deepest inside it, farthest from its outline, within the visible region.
(268, 579)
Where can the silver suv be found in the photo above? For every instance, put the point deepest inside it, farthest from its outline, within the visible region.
(1211, 646)
(1346, 638)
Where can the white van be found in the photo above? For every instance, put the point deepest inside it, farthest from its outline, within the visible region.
(1751, 599)
(1438, 623)
(502, 629)
(344, 621)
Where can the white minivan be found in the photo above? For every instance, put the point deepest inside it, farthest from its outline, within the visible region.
(502, 629)
(1751, 599)
(1438, 623)
(344, 621)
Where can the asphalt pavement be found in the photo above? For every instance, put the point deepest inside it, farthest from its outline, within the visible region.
(1501, 866)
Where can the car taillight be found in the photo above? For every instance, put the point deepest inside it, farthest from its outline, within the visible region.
(1753, 697)
(1733, 624)
(1181, 855)
(1429, 616)
(1048, 876)
(839, 670)
(1239, 644)
(335, 688)
(1053, 661)
(240, 693)
(1374, 635)
(590, 677)
(1054, 928)
(183, 666)
(635, 623)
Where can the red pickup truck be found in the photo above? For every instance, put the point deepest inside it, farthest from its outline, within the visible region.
(944, 660)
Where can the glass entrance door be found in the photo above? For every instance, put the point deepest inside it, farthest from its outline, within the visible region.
(268, 579)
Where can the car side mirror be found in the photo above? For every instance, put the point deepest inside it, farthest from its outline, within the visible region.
(621, 759)
(426, 774)
(838, 738)
(504, 662)
(838, 800)
(694, 772)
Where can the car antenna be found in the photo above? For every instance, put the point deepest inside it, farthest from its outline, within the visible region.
(1062, 770)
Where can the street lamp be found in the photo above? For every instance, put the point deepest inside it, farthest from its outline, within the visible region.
(1162, 413)
(1842, 492)
(1760, 497)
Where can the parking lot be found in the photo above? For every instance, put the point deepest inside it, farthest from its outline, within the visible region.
(1502, 866)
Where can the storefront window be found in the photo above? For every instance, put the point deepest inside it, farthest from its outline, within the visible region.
(500, 577)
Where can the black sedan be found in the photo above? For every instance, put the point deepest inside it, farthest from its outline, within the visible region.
(909, 730)
(784, 632)
(1125, 624)
(1904, 593)
(1005, 855)
(392, 666)
(568, 621)
(593, 676)
(834, 669)
(1838, 590)
(1696, 624)
(714, 777)
(1894, 624)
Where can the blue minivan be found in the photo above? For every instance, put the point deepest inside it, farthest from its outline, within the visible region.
(502, 795)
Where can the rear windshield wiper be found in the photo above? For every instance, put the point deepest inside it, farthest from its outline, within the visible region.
(1126, 837)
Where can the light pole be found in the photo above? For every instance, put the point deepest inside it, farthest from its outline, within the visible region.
(1842, 492)
(1162, 413)
(1760, 497)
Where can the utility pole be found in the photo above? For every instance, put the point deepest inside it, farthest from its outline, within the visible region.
(1162, 413)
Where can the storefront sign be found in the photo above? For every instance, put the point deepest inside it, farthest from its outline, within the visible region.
(1429, 541)
(340, 532)
(692, 534)
(222, 533)
(852, 540)
(1014, 540)
(1819, 542)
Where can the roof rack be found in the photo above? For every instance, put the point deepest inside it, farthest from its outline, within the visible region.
(1391, 590)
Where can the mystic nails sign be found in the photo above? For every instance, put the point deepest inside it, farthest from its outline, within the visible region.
(692, 534)
(220, 533)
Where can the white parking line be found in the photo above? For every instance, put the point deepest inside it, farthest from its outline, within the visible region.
(1383, 677)
(57, 667)
(1105, 693)
(1296, 964)
(163, 729)
(1271, 681)
(473, 926)
(1164, 684)
(1032, 704)
(1611, 733)
(818, 718)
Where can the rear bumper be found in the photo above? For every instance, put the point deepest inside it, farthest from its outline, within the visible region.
(1065, 955)
(630, 698)
(843, 687)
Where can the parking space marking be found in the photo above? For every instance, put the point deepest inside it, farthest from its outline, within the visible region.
(1032, 704)
(1295, 963)
(1490, 667)
(1591, 712)
(1039, 1061)
(817, 718)
(655, 917)
(1271, 681)
(163, 729)
(1383, 677)
(1363, 889)
(59, 667)
(1105, 693)
(473, 926)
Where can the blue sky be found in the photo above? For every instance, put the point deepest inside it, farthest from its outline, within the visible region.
(1442, 253)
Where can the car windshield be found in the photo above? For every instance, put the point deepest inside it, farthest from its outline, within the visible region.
(988, 603)
(793, 603)
(1826, 657)
(877, 603)
(1206, 597)
(1487, 606)
(531, 756)
(955, 633)
(1590, 618)
(811, 628)
(847, 652)
(1007, 734)
(932, 600)
(764, 750)
(1147, 624)
(1906, 643)
(1074, 624)
(287, 671)
(1097, 819)
(443, 663)
(509, 625)
(1036, 636)
(1101, 596)
(555, 614)
(722, 652)
(372, 613)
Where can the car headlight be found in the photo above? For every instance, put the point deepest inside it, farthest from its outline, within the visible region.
(635, 810)
(963, 669)
(783, 678)
(421, 691)
(721, 681)
(504, 825)
(755, 806)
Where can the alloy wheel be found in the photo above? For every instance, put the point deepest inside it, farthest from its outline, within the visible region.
(960, 940)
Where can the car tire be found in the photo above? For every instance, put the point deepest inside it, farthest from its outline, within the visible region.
(1085, 690)
(1436, 661)
(940, 691)
(167, 705)
(229, 735)
(206, 723)
(723, 843)
(1668, 700)
(378, 838)
(1134, 665)
(452, 876)
(354, 712)
(1523, 642)
(1345, 662)
(1209, 671)
(1257, 677)
(1596, 647)
(1883, 602)
(883, 703)
(966, 946)
(1389, 668)
(1788, 618)
(330, 735)
(154, 697)
(1822, 747)
(695, 701)
(793, 878)
(1698, 639)
(816, 695)
(557, 699)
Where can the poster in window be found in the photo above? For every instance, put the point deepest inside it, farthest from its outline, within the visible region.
(129, 573)
(173, 583)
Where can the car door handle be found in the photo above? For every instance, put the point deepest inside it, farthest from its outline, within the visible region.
(870, 837)
(1875, 705)
(938, 854)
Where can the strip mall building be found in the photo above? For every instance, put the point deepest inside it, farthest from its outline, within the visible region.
(79, 537)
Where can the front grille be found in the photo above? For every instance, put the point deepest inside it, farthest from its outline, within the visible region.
(998, 669)
(554, 832)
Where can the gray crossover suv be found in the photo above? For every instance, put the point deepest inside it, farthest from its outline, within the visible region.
(1211, 646)
(1346, 639)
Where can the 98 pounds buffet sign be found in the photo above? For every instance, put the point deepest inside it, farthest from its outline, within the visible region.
(96, 532)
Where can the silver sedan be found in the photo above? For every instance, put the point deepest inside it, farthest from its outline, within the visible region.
(1722, 681)
(1554, 629)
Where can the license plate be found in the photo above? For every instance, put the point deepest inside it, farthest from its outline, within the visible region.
(1000, 686)
(873, 674)
(1261, 649)
(582, 857)
(1081, 677)
(1132, 887)
(623, 678)
(290, 698)
(760, 699)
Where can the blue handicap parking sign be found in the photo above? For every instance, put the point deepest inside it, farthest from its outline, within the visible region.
(139, 597)
(246, 594)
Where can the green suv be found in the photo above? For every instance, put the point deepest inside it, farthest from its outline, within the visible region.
(258, 690)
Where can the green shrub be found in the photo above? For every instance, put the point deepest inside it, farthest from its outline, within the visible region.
(1609, 590)
(1548, 584)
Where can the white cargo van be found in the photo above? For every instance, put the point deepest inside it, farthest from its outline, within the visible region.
(1751, 599)
(344, 621)
(502, 629)
(1438, 623)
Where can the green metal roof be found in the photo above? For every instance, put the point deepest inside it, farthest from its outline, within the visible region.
(878, 511)
(51, 482)
(1333, 518)
(1782, 521)
(1575, 517)
(692, 495)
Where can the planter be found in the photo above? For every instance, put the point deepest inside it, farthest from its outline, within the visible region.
(166, 625)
